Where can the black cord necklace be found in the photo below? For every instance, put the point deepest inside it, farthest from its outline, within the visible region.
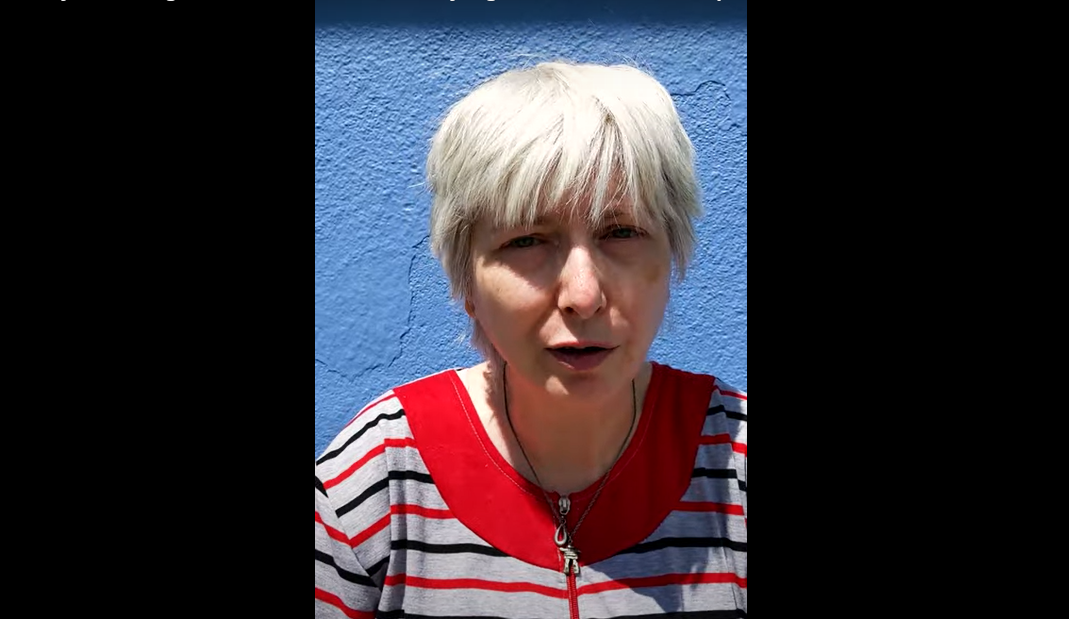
(562, 538)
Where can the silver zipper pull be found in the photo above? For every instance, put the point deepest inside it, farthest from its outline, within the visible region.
(564, 541)
(571, 560)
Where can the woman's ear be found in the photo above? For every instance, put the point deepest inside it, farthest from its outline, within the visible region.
(469, 308)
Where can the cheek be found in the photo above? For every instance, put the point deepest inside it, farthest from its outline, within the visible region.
(500, 297)
(655, 274)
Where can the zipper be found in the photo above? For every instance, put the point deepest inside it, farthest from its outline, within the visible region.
(569, 556)
(573, 596)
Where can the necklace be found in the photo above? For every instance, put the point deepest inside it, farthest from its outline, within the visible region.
(562, 538)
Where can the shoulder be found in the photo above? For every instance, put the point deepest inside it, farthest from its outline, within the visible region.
(382, 423)
(354, 468)
(354, 475)
(724, 405)
(366, 431)
(728, 414)
(712, 390)
(359, 473)
(730, 399)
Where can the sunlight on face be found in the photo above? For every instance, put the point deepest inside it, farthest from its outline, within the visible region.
(564, 282)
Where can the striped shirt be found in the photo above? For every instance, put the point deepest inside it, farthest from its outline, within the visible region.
(418, 515)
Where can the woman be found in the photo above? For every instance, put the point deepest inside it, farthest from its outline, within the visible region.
(566, 475)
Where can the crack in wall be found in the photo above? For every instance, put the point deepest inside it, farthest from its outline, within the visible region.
(416, 252)
(735, 124)
(330, 370)
(702, 86)
(408, 319)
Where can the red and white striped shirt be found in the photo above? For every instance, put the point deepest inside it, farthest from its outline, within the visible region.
(418, 515)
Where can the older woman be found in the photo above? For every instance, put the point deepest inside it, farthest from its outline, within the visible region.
(567, 475)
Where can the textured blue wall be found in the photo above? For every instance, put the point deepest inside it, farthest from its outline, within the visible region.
(384, 75)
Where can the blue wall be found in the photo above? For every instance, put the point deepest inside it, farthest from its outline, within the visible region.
(384, 75)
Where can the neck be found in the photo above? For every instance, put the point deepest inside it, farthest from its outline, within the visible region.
(570, 444)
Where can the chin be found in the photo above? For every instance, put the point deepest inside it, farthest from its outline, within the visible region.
(584, 386)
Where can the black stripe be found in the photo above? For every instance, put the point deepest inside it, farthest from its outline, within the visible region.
(378, 567)
(320, 488)
(713, 614)
(446, 549)
(337, 452)
(716, 410)
(411, 476)
(718, 474)
(382, 485)
(715, 474)
(356, 579)
(365, 495)
(685, 542)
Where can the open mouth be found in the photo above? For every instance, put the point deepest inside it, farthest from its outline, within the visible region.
(581, 359)
(582, 351)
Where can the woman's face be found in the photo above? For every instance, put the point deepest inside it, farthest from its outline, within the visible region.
(543, 293)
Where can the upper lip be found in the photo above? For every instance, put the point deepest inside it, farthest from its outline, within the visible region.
(582, 345)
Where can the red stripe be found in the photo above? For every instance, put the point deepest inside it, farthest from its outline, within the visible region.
(730, 394)
(400, 510)
(371, 406)
(419, 510)
(723, 439)
(335, 601)
(334, 534)
(370, 532)
(399, 443)
(523, 587)
(718, 508)
(663, 581)
(393, 443)
(479, 585)
(378, 451)
(396, 510)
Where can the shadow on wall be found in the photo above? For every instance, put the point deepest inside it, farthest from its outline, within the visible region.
(341, 12)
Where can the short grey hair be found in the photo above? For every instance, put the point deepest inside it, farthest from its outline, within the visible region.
(549, 136)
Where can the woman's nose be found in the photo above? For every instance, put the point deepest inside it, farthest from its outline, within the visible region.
(582, 291)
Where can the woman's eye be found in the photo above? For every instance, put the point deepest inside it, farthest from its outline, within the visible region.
(624, 233)
(524, 242)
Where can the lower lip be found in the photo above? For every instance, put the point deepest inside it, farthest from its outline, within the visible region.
(581, 362)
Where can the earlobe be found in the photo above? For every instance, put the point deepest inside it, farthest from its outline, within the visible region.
(469, 308)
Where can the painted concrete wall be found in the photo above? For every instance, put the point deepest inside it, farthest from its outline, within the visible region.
(385, 73)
